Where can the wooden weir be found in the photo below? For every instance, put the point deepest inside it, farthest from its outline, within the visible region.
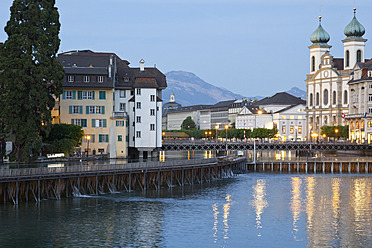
(312, 166)
(36, 184)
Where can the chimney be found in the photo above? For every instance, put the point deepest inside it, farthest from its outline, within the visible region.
(142, 65)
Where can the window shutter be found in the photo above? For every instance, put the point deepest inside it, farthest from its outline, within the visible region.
(72, 121)
(100, 138)
(126, 124)
(80, 109)
(103, 110)
(93, 138)
(127, 138)
(74, 95)
(87, 108)
(70, 109)
(104, 123)
(113, 96)
(64, 95)
(84, 122)
(93, 122)
(80, 95)
(107, 137)
(93, 95)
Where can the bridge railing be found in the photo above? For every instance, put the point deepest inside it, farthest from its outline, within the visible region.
(103, 167)
(314, 159)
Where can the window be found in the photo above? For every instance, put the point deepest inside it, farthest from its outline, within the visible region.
(138, 119)
(103, 138)
(325, 97)
(334, 97)
(99, 123)
(345, 97)
(86, 79)
(101, 150)
(359, 56)
(370, 110)
(152, 98)
(120, 123)
(68, 94)
(122, 107)
(312, 63)
(152, 127)
(87, 95)
(317, 99)
(70, 79)
(311, 119)
(370, 97)
(122, 93)
(283, 117)
(102, 95)
(120, 137)
(79, 122)
(311, 99)
(95, 109)
(152, 111)
(291, 129)
(283, 129)
(126, 79)
(75, 109)
(325, 120)
(138, 134)
(138, 105)
(100, 79)
(334, 118)
(138, 92)
(299, 129)
(370, 85)
(347, 55)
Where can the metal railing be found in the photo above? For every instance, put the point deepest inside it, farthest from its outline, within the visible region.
(102, 168)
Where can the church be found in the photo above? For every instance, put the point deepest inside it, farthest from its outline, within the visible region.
(327, 86)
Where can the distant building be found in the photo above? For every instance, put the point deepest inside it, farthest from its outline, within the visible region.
(117, 106)
(177, 116)
(360, 108)
(220, 114)
(169, 106)
(283, 111)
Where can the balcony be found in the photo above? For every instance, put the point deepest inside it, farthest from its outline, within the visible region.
(356, 116)
(120, 115)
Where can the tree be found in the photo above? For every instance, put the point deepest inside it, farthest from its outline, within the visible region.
(63, 138)
(335, 131)
(188, 124)
(31, 76)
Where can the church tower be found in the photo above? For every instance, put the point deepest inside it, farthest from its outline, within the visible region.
(354, 43)
(320, 46)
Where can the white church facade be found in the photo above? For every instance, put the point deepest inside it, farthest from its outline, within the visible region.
(328, 94)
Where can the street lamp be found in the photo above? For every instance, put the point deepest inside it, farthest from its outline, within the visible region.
(88, 138)
(226, 127)
(217, 132)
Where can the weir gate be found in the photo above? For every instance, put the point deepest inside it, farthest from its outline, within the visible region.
(36, 184)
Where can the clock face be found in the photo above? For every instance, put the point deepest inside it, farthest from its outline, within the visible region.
(326, 74)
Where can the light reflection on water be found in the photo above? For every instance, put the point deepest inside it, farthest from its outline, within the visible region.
(252, 210)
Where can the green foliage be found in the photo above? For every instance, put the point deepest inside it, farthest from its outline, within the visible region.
(63, 138)
(188, 124)
(31, 76)
(330, 131)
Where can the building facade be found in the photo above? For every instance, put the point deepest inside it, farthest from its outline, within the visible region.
(327, 83)
(117, 106)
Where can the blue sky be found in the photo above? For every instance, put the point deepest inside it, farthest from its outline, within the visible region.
(249, 47)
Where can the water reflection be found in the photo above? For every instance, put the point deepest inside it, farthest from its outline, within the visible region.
(296, 203)
(259, 201)
(226, 212)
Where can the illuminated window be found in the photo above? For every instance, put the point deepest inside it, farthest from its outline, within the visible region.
(291, 117)
(291, 129)
(283, 117)
(283, 129)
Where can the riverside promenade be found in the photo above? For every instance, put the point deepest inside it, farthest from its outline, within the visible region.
(36, 184)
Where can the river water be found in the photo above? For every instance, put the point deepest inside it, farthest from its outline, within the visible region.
(249, 210)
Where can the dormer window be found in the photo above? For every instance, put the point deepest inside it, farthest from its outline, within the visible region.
(86, 79)
(70, 79)
(100, 79)
(126, 79)
(369, 73)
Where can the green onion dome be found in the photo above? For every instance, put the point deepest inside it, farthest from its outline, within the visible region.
(320, 36)
(354, 30)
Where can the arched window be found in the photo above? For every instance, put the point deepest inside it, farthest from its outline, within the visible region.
(334, 97)
(347, 55)
(359, 56)
(312, 63)
(345, 97)
(317, 99)
(325, 97)
(311, 99)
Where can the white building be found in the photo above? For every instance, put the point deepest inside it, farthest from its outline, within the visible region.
(327, 89)
(360, 109)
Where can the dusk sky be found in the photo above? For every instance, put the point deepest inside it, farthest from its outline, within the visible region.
(249, 47)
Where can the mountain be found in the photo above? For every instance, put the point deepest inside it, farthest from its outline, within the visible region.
(189, 89)
(297, 92)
